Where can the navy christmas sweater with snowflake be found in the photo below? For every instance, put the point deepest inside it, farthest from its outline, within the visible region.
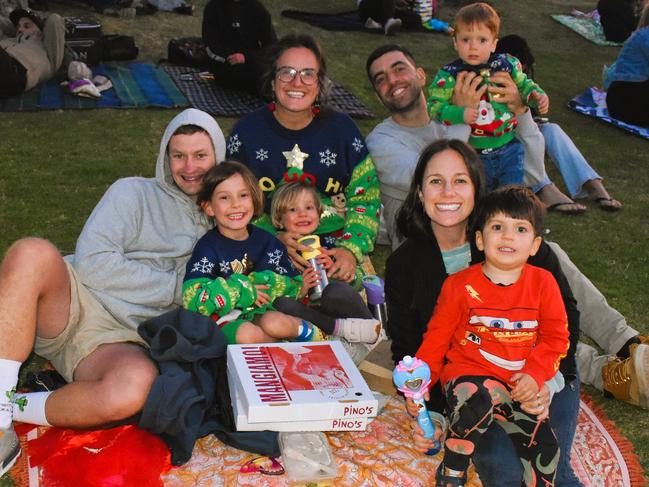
(330, 153)
(222, 273)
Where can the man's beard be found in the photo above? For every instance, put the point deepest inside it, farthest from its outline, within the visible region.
(399, 108)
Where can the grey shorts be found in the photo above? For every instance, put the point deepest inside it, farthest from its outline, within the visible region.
(89, 326)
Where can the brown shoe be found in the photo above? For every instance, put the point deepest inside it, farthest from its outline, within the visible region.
(628, 380)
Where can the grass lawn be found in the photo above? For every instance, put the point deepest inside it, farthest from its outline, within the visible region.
(55, 165)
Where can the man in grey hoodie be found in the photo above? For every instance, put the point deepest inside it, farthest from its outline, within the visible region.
(82, 312)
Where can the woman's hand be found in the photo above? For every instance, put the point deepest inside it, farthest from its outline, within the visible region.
(294, 249)
(539, 405)
(344, 264)
(262, 297)
(503, 90)
(324, 260)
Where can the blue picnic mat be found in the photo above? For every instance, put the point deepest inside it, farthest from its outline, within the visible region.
(586, 103)
(135, 85)
(585, 27)
(219, 101)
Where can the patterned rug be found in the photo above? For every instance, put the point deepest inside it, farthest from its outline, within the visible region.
(585, 27)
(592, 103)
(601, 456)
(206, 95)
(135, 85)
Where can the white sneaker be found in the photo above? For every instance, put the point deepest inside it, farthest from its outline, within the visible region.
(370, 23)
(360, 330)
(9, 449)
(391, 26)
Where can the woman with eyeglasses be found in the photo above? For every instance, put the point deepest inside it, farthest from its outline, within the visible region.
(297, 137)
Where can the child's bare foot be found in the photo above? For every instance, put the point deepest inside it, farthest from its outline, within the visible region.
(556, 201)
(597, 192)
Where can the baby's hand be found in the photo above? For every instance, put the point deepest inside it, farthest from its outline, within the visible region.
(525, 388)
(470, 115)
(412, 407)
(421, 443)
(262, 297)
(324, 259)
(542, 102)
(310, 278)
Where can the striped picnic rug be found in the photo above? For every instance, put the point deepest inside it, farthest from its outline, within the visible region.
(135, 85)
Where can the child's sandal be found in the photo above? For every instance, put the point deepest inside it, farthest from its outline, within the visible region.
(442, 480)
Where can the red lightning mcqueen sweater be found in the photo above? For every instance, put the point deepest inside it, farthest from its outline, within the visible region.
(481, 328)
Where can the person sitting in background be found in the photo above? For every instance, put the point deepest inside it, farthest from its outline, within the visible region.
(8, 6)
(379, 15)
(627, 96)
(618, 18)
(580, 178)
(235, 32)
(31, 50)
(178, 6)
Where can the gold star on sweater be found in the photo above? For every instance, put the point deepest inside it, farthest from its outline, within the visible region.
(295, 157)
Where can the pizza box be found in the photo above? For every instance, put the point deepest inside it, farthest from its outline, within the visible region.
(305, 381)
(242, 424)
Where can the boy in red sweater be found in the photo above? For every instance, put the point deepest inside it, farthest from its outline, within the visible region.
(497, 335)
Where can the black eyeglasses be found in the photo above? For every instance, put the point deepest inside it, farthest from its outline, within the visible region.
(286, 74)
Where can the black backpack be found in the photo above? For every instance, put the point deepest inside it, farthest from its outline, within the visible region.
(187, 51)
(119, 48)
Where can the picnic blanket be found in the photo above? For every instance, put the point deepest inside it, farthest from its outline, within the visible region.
(343, 21)
(592, 102)
(586, 27)
(340, 21)
(600, 456)
(206, 95)
(135, 85)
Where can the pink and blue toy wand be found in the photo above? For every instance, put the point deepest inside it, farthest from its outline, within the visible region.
(412, 377)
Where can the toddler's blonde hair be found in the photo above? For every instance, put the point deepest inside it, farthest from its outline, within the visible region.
(285, 195)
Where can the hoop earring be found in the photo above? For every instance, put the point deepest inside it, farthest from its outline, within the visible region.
(272, 106)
